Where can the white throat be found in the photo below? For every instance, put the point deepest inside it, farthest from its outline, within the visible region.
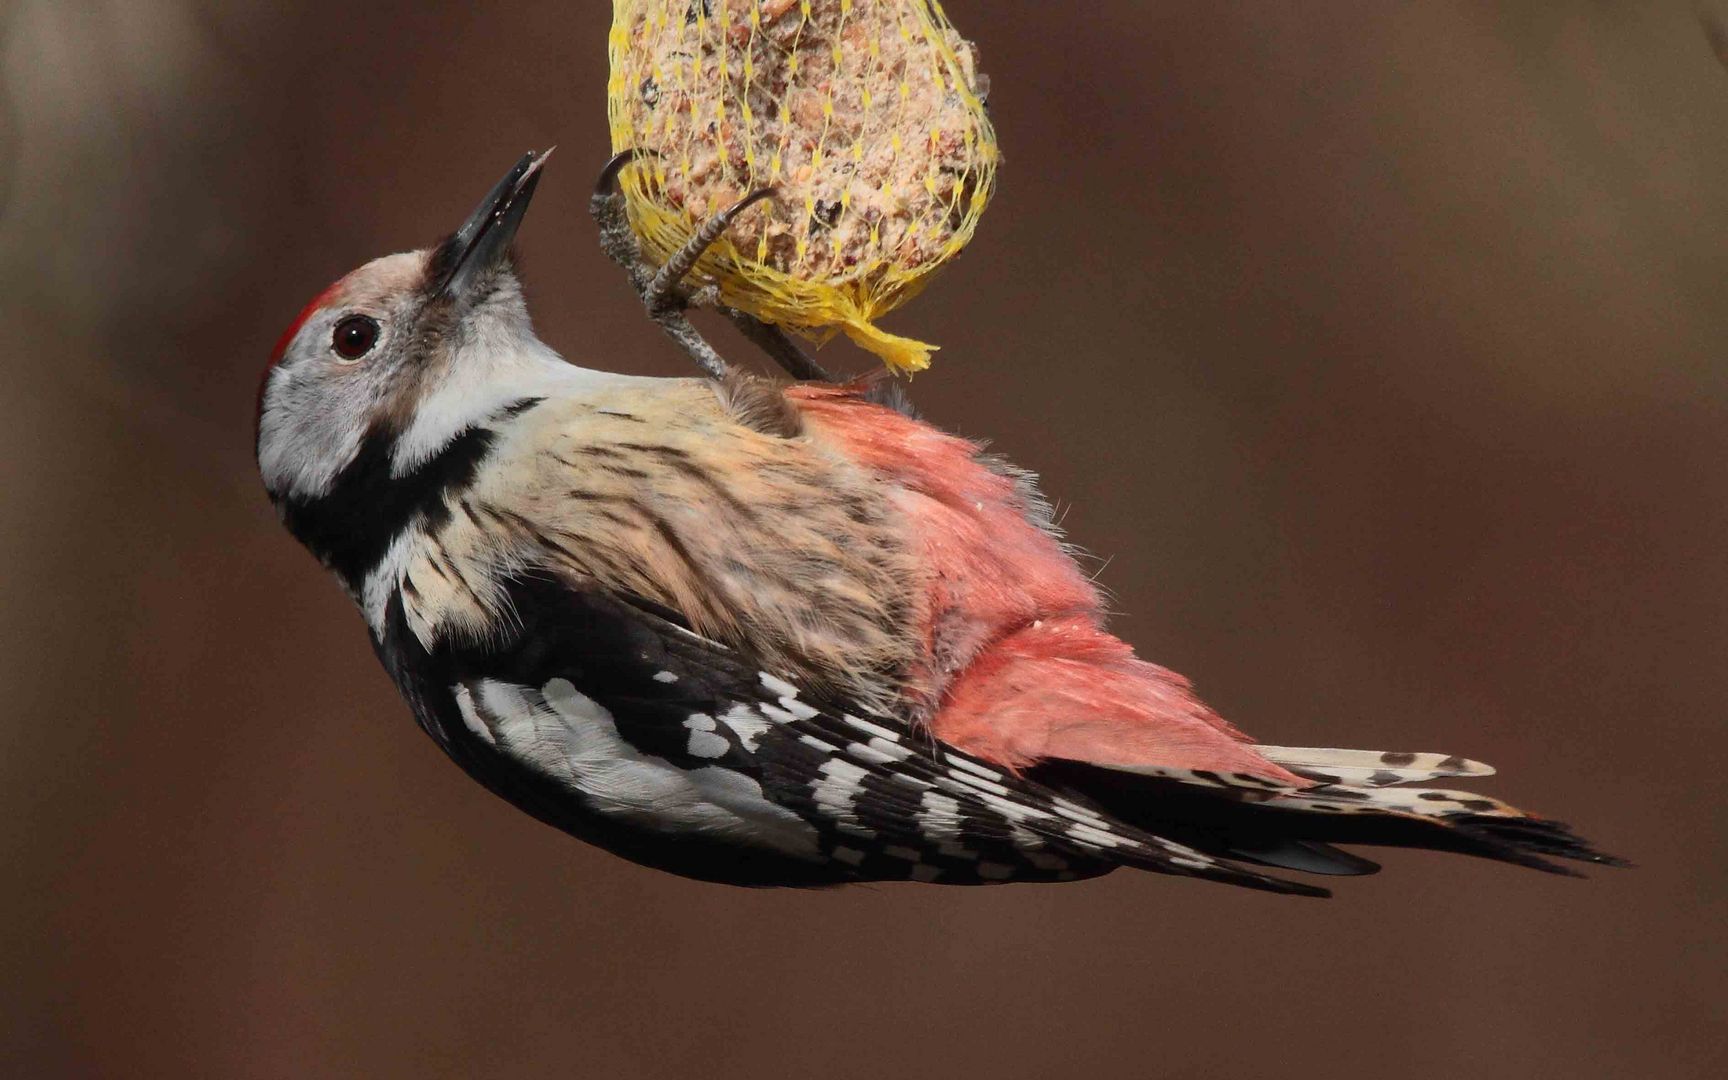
(483, 378)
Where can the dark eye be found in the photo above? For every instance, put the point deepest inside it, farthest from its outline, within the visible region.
(355, 336)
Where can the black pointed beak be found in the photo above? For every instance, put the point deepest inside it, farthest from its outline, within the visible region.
(483, 241)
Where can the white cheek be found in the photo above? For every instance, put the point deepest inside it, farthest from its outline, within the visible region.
(315, 416)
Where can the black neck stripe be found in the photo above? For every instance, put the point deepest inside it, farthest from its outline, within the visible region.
(351, 527)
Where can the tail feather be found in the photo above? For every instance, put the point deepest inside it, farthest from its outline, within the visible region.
(1308, 856)
(1296, 829)
(1450, 820)
(1414, 802)
(1370, 768)
(1553, 838)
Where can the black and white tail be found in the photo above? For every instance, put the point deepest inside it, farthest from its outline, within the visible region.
(1358, 797)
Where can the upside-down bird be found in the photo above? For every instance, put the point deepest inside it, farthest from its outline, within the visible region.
(770, 633)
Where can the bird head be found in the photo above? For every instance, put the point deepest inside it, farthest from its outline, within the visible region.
(400, 356)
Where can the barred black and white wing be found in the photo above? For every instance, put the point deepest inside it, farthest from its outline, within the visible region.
(609, 719)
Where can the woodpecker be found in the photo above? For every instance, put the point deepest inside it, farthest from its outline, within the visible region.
(770, 633)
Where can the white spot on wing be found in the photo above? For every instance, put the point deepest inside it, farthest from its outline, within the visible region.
(470, 718)
(570, 737)
(703, 742)
(665, 677)
(1013, 811)
(978, 782)
(1075, 812)
(746, 724)
(874, 729)
(939, 820)
(873, 755)
(1095, 837)
(777, 714)
(968, 765)
(836, 789)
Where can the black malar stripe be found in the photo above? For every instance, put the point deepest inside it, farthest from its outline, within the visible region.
(351, 528)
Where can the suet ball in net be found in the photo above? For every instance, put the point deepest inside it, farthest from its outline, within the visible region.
(867, 119)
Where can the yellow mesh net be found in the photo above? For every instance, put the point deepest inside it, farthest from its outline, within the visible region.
(866, 116)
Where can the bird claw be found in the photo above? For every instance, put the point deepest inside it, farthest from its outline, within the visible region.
(607, 208)
(618, 241)
(606, 184)
(662, 290)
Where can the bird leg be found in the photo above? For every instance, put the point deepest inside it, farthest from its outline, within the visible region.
(617, 240)
(665, 300)
(784, 351)
(778, 345)
(662, 289)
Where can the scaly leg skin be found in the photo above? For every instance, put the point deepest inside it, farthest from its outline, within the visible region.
(778, 345)
(666, 298)
(666, 301)
(785, 352)
(663, 289)
(660, 287)
(616, 239)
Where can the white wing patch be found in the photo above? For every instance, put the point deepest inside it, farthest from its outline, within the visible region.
(568, 736)
(703, 742)
(838, 785)
(471, 718)
(939, 820)
(748, 725)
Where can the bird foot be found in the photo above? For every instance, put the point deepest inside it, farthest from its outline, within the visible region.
(663, 289)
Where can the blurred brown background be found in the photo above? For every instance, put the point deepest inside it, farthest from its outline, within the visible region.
(1378, 346)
